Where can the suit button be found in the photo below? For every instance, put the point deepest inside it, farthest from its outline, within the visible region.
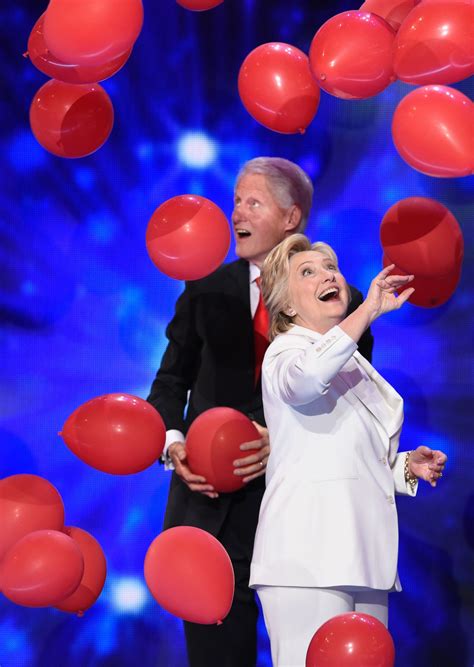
(384, 461)
(391, 499)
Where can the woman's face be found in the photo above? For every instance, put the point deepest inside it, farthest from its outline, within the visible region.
(318, 291)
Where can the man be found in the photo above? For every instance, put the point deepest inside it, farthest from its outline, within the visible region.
(212, 355)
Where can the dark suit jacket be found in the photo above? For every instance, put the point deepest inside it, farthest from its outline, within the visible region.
(211, 354)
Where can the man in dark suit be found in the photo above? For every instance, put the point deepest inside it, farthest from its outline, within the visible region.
(211, 361)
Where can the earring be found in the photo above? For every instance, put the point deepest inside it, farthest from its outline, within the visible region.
(290, 312)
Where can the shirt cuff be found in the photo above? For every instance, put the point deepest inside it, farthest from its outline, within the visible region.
(173, 435)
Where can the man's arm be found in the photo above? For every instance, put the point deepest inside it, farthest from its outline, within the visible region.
(366, 341)
(177, 372)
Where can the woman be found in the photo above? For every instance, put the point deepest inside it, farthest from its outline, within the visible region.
(327, 537)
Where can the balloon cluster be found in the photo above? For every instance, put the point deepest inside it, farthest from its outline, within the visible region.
(351, 640)
(42, 562)
(78, 43)
(356, 55)
(422, 237)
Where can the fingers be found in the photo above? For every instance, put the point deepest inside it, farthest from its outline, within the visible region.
(253, 444)
(259, 458)
(194, 482)
(404, 296)
(249, 478)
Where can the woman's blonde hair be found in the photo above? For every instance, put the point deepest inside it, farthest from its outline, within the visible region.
(275, 274)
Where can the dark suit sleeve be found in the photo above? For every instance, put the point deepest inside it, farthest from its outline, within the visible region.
(175, 377)
(366, 341)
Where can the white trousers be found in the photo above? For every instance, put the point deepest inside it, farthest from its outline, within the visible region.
(292, 615)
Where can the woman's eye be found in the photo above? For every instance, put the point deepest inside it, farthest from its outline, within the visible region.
(307, 272)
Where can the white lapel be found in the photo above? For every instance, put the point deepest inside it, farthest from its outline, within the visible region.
(377, 395)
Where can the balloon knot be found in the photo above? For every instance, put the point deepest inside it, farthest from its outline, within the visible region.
(219, 623)
(80, 614)
(25, 55)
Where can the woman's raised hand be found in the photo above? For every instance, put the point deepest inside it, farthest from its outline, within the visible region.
(381, 297)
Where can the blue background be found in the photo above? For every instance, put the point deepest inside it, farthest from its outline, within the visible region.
(83, 312)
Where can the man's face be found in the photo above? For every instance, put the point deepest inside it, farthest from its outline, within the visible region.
(259, 222)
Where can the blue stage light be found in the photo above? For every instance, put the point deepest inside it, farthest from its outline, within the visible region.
(128, 595)
(196, 150)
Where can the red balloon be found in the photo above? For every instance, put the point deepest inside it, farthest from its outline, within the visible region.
(27, 503)
(71, 121)
(92, 32)
(188, 237)
(277, 88)
(393, 11)
(435, 44)
(351, 55)
(47, 62)
(432, 131)
(423, 237)
(351, 640)
(190, 574)
(430, 292)
(213, 443)
(93, 579)
(41, 569)
(116, 433)
(199, 5)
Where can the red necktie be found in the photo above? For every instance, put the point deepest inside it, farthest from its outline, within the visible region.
(261, 324)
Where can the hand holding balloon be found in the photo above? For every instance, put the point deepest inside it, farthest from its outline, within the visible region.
(255, 464)
(178, 456)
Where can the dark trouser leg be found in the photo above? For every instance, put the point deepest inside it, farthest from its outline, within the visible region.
(234, 643)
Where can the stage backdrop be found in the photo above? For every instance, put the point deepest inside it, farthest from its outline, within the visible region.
(84, 310)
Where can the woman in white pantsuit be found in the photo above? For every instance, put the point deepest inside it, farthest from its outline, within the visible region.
(327, 537)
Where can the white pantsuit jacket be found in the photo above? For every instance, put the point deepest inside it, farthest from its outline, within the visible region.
(328, 516)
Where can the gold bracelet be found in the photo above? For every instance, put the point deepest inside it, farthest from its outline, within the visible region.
(412, 481)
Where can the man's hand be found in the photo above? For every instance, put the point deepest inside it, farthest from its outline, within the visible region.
(427, 464)
(254, 466)
(177, 454)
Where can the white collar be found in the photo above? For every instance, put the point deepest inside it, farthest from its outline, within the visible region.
(254, 272)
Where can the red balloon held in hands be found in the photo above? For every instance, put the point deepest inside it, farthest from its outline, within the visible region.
(92, 32)
(435, 44)
(213, 443)
(351, 640)
(41, 569)
(277, 88)
(393, 11)
(199, 5)
(430, 291)
(27, 503)
(93, 578)
(116, 433)
(190, 574)
(423, 237)
(351, 55)
(49, 64)
(69, 120)
(432, 129)
(188, 237)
